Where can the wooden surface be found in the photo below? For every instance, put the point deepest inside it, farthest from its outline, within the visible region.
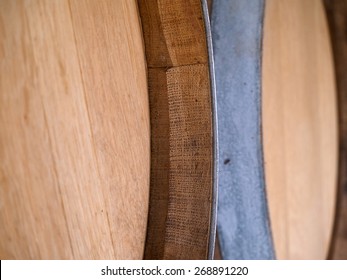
(181, 129)
(299, 128)
(337, 18)
(74, 130)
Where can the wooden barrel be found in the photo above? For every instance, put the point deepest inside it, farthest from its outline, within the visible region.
(109, 143)
(91, 151)
(277, 119)
(75, 138)
(182, 212)
(299, 105)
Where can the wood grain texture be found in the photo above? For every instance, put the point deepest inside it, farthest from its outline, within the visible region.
(74, 130)
(337, 18)
(299, 128)
(181, 129)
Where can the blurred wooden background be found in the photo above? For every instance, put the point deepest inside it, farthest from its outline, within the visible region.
(337, 18)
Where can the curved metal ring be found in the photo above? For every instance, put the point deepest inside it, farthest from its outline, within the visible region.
(243, 221)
